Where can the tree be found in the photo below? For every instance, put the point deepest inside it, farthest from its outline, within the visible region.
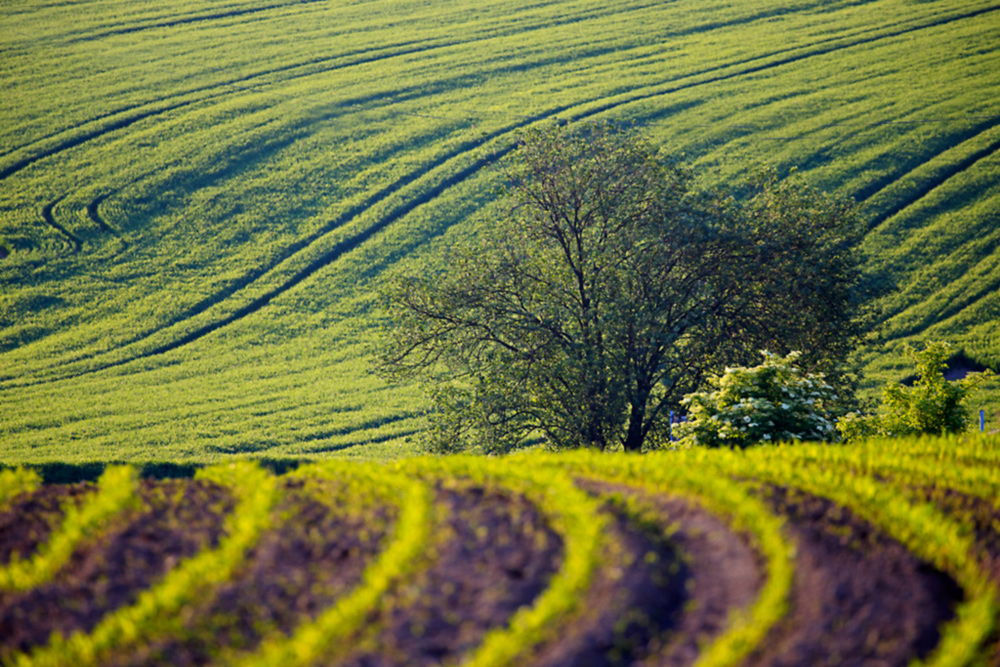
(772, 402)
(809, 290)
(933, 405)
(608, 292)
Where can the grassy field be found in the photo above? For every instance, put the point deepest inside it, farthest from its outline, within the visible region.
(197, 199)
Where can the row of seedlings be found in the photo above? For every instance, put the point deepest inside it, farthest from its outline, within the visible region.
(742, 513)
(952, 473)
(116, 491)
(923, 529)
(325, 636)
(158, 610)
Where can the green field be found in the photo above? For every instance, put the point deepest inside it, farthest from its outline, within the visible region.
(198, 198)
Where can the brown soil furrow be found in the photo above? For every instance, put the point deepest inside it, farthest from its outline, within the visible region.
(178, 519)
(983, 515)
(29, 521)
(497, 555)
(859, 597)
(313, 555)
(686, 595)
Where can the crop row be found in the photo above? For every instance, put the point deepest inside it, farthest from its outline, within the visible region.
(411, 515)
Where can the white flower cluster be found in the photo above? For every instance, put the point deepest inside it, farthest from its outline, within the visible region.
(772, 402)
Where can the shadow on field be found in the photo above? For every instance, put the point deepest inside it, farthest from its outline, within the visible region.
(71, 473)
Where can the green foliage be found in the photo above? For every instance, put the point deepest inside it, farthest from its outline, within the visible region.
(610, 289)
(807, 289)
(932, 405)
(15, 482)
(772, 402)
(577, 313)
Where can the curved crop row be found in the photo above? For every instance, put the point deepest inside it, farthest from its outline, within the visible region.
(574, 516)
(156, 610)
(932, 469)
(982, 451)
(880, 483)
(923, 529)
(16, 482)
(116, 489)
(967, 464)
(746, 513)
(314, 639)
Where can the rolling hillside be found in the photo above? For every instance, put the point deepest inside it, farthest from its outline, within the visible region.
(197, 198)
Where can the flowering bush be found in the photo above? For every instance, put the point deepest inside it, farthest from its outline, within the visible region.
(772, 402)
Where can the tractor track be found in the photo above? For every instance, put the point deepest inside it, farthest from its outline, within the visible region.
(943, 175)
(50, 220)
(93, 212)
(189, 19)
(361, 57)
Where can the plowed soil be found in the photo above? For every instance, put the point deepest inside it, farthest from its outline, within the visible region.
(495, 555)
(176, 520)
(310, 558)
(703, 562)
(859, 598)
(30, 520)
(668, 584)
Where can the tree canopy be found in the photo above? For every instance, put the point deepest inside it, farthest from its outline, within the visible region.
(612, 287)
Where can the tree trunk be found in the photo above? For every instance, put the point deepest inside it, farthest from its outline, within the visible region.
(634, 437)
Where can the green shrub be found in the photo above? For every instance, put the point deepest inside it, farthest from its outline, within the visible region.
(771, 402)
(933, 405)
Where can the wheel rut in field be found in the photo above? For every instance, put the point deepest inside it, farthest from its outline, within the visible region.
(178, 519)
(187, 20)
(803, 53)
(943, 175)
(325, 259)
(160, 105)
(858, 596)
(496, 555)
(313, 67)
(140, 112)
(94, 213)
(74, 241)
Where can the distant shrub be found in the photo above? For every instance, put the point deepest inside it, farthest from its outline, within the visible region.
(933, 405)
(775, 401)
